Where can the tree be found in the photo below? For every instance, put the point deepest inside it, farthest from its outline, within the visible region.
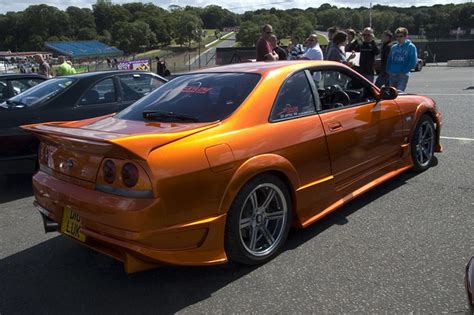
(248, 34)
(133, 37)
(187, 27)
(107, 14)
(81, 19)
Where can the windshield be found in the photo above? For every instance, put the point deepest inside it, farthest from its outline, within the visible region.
(42, 92)
(201, 97)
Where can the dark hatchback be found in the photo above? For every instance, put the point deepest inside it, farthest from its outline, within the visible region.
(14, 84)
(65, 98)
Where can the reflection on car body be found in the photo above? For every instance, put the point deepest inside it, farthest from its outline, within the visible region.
(217, 165)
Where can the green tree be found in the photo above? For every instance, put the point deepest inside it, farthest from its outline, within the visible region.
(81, 19)
(248, 34)
(187, 26)
(107, 14)
(133, 37)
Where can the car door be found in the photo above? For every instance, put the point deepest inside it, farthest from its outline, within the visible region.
(295, 123)
(363, 133)
(100, 99)
(134, 86)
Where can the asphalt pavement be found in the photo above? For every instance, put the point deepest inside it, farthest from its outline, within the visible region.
(400, 248)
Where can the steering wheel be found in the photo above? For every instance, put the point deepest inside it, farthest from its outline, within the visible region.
(340, 99)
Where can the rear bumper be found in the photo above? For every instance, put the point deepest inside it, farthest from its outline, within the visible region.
(129, 230)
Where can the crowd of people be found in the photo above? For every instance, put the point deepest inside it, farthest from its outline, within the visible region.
(357, 50)
(64, 67)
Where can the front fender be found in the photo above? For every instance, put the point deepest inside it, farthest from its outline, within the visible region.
(253, 167)
(426, 108)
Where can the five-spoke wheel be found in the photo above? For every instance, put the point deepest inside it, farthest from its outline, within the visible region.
(423, 143)
(258, 221)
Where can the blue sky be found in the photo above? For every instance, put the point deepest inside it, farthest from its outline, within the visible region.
(236, 5)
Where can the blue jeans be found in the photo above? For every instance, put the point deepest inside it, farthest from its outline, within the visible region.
(399, 80)
(382, 79)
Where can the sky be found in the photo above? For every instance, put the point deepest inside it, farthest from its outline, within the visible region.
(235, 5)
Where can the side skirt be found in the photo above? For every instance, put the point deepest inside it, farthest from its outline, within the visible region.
(354, 194)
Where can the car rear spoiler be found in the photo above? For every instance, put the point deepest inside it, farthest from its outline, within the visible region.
(140, 145)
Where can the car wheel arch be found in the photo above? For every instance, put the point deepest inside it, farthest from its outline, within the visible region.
(251, 168)
(424, 109)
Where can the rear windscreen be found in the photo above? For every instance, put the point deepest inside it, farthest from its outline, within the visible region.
(205, 97)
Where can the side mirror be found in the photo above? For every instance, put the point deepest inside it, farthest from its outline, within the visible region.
(469, 282)
(388, 93)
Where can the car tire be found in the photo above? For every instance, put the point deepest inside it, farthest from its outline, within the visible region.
(258, 221)
(418, 67)
(423, 144)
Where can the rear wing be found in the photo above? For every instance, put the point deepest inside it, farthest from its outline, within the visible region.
(139, 145)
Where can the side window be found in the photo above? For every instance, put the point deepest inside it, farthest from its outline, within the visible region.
(101, 92)
(294, 99)
(21, 85)
(337, 89)
(3, 89)
(135, 86)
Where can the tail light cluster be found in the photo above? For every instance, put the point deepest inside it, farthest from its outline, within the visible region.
(109, 171)
(43, 154)
(121, 177)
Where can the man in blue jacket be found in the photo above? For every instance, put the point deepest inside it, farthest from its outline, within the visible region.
(401, 60)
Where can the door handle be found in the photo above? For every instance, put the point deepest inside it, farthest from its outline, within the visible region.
(334, 126)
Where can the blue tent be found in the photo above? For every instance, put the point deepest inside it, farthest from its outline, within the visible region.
(83, 49)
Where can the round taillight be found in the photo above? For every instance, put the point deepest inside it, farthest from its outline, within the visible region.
(129, 175)
(109, 171)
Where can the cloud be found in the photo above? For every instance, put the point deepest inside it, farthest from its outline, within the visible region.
(236, 6)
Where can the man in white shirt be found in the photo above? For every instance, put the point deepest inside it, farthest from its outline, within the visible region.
(313, 51)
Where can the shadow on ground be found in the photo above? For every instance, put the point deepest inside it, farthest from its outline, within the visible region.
(13, 187)
(60, 276)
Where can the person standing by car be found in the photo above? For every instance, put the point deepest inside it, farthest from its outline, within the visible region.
(401, 60)
(368, 50)
(282, 55)
(64, 67)
(353, 44)
(335, 52)
(383, 77)
(264, 48)
(297, 48)
(313, 50)
(331, 32)
(43, 68)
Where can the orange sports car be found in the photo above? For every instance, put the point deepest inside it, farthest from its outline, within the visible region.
(218, 164)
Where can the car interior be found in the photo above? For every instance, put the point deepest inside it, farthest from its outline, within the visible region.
(337, 89)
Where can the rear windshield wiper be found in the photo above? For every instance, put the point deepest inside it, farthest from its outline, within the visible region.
(166, 115)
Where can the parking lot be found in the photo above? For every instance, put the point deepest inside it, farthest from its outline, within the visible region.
(400, 248)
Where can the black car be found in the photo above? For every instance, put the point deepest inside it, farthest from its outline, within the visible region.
(14, 84)
(72, 97)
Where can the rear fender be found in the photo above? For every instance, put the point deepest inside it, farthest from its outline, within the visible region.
(253, 167)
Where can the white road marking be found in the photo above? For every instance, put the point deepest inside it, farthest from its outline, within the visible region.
(456, 138)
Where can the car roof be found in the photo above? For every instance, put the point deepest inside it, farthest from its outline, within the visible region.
(265, 67)
(21, 75)
(106, 73)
